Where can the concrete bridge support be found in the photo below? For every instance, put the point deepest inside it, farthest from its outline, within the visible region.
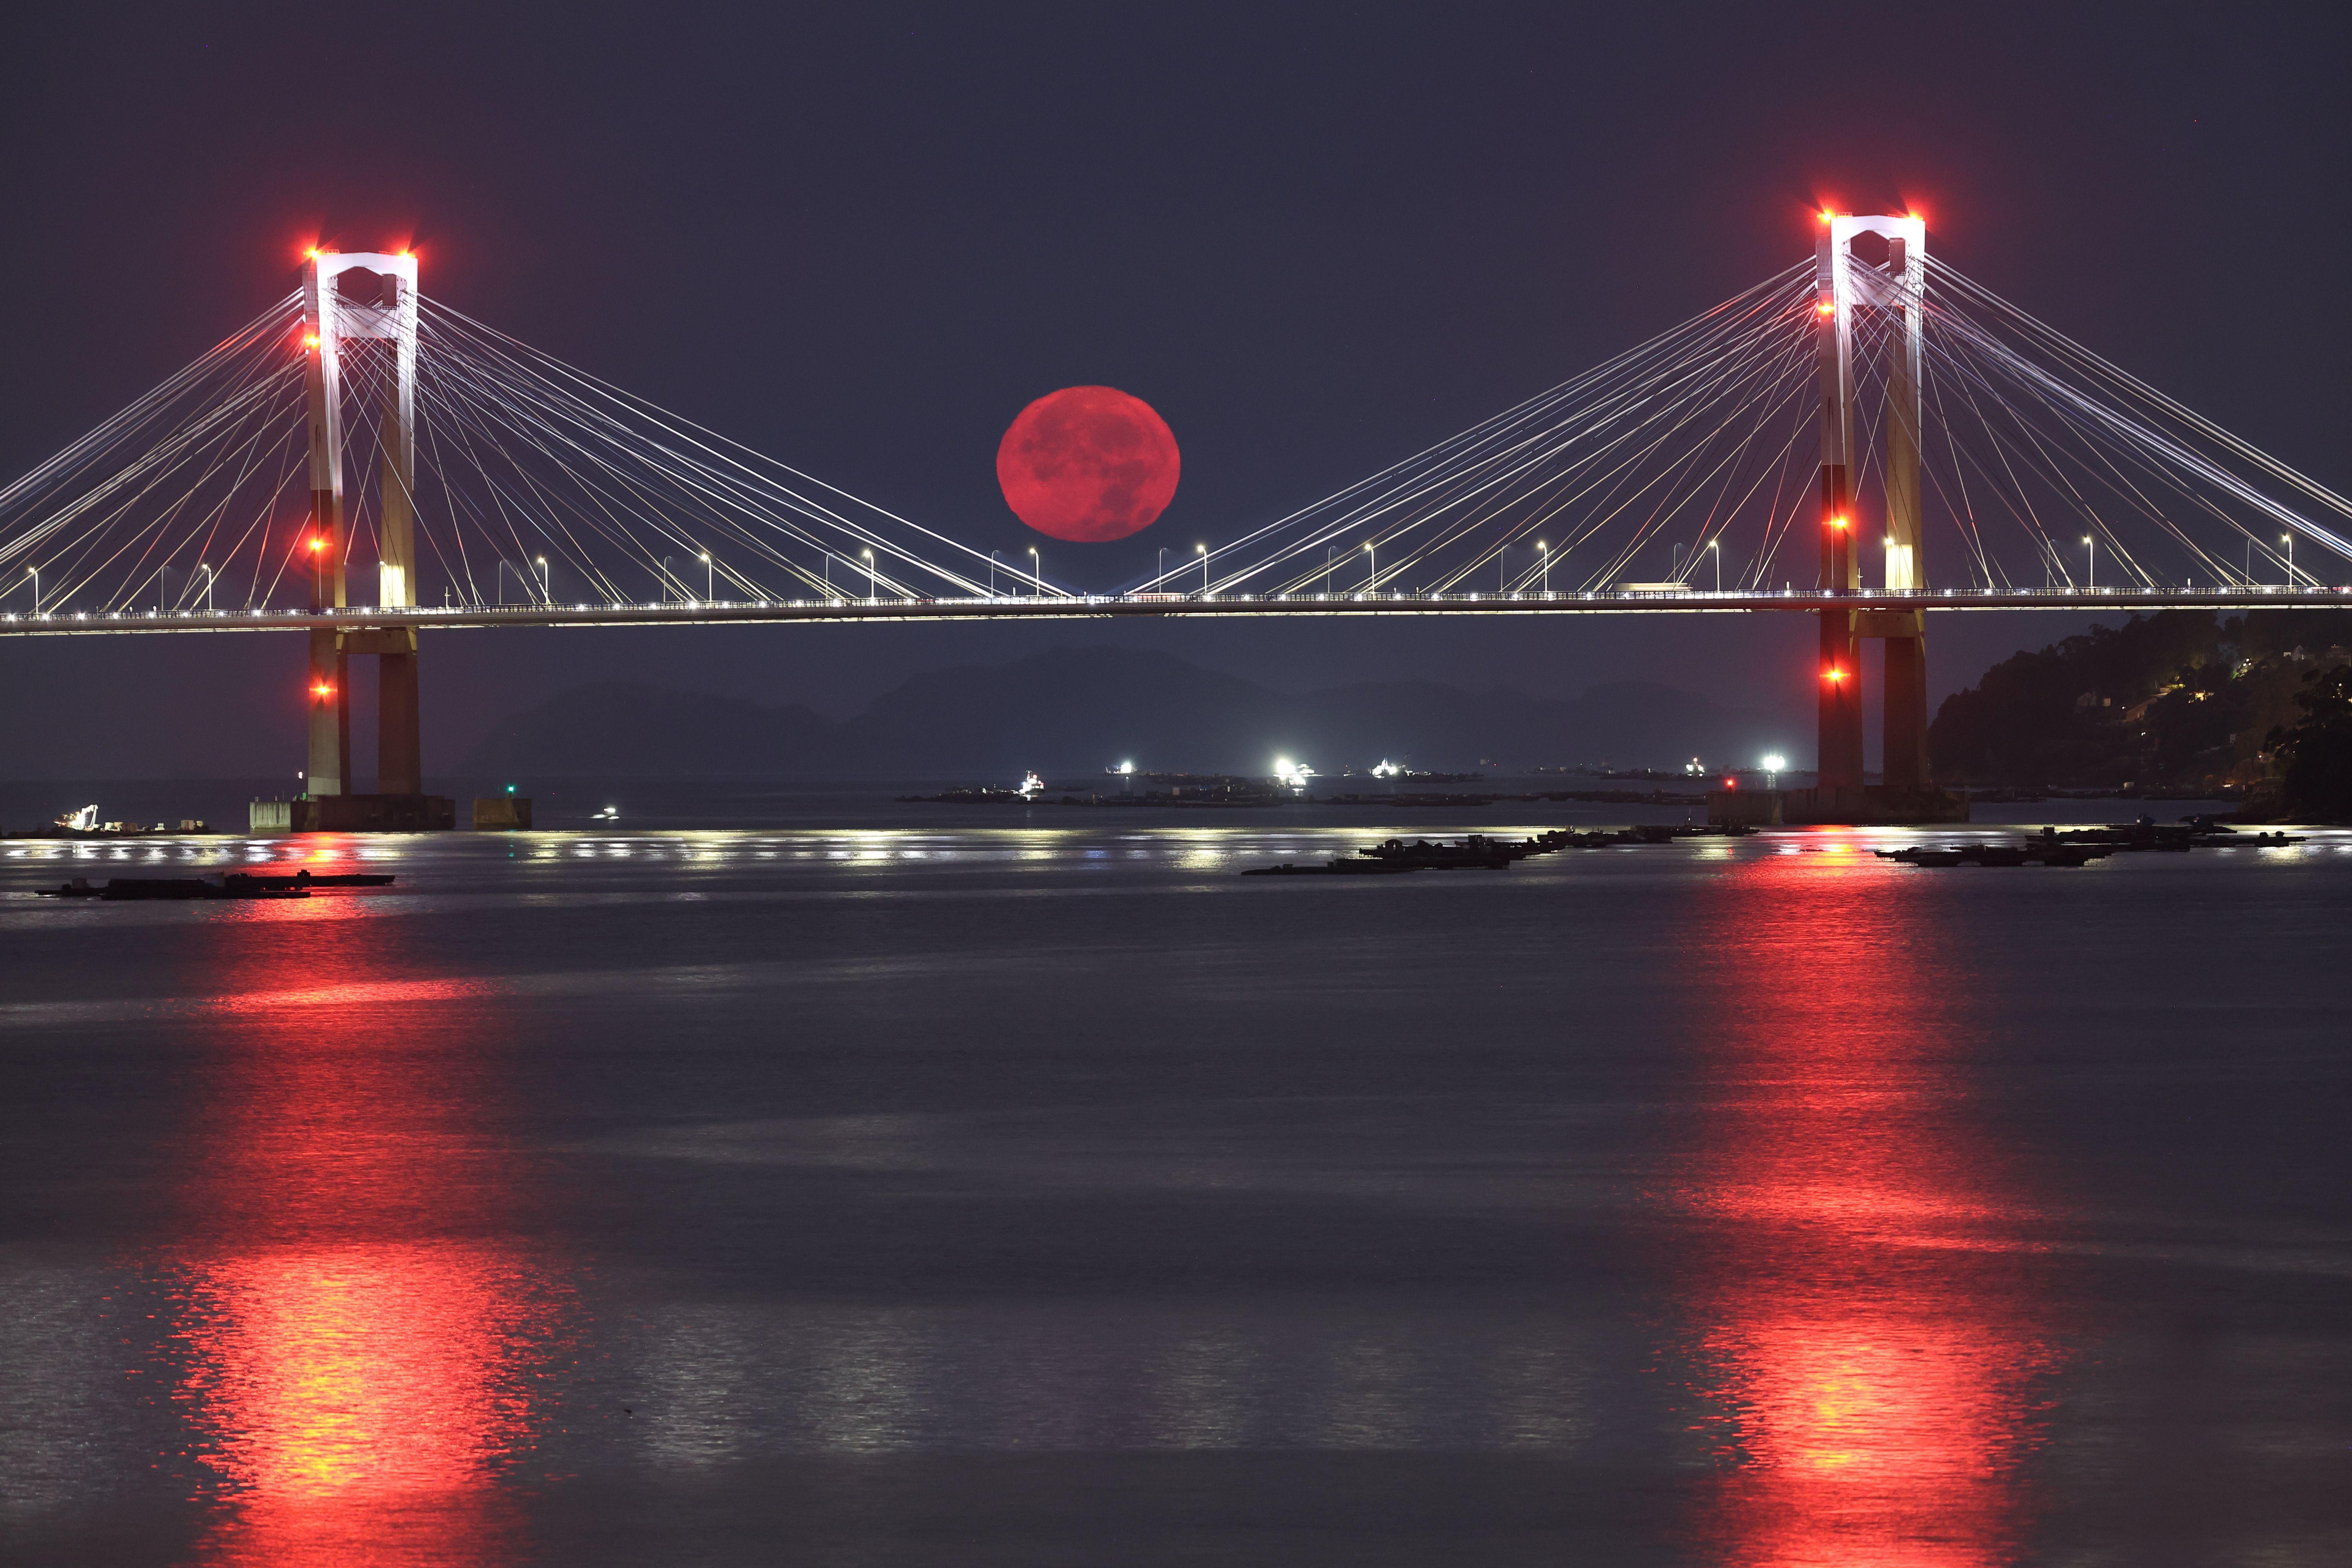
(331, 317)
(1891, 282)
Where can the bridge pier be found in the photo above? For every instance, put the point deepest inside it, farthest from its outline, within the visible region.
(1904, 745)
(330, 716)
(399, 740)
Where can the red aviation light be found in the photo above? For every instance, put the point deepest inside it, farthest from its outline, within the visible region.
(321, 688)
(317, 544)
(1833, 675)
(310, 340)
(1837, 522)
(1825, 308)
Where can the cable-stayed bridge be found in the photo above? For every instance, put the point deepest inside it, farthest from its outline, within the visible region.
(1869, 407)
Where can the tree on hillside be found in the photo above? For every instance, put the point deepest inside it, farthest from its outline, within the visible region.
(2170, 699)
(2316, 755)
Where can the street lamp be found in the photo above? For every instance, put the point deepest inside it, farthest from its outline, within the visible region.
(1544, 551)
(1373, 580)
(2093, 546)
(2288, 539)
(208, 585)
(870, 595)
(1773, 766)
(1203, 552)
(543, 581)
(36, 590)
(1036, 582)
(709, 579)
(1715, 548)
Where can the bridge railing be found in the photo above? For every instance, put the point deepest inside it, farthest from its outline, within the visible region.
(1014, 605)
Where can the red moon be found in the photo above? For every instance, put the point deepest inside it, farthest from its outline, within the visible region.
(1088, 464)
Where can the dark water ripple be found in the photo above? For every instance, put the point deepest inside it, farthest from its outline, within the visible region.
(986, 1192)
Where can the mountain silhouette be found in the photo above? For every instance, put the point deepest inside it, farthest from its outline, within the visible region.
(1078, 710)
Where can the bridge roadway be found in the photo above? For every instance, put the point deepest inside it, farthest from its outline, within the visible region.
(1075, 606)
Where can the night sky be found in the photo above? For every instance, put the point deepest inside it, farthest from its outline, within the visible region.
(1314, 238)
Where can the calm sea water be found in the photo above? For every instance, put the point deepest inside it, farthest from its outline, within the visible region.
(890, 1184)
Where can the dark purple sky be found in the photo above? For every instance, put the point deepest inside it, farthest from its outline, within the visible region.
(1314, 238)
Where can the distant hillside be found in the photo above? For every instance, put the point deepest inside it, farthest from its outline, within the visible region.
(2179, 698)
(1081, 709)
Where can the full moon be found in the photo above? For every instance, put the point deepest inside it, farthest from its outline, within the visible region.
(1088, 464)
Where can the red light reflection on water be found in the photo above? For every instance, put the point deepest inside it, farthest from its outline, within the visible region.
(359, 1332)
(1869, 1341)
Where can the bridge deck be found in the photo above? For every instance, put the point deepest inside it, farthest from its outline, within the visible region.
(66, 623)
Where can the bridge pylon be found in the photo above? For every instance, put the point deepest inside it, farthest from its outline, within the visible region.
(383, 311)
(1886, 274)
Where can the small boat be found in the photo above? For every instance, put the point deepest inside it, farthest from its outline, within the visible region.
(126, 890)
(306, 879)
(1476, 852)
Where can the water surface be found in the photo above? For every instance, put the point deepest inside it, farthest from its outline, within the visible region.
(1027, 1187)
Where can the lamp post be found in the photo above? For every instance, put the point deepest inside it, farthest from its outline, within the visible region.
(2092, 544)
(1543, 552)
(1203, 552)
(709, 579)
(1327, 571)
(1036, 582)
(208, 585)
(991, 573)
(1773, 766)
(1502, 574)
(868, 556)
(543, 592)
(1160, 579)
(2288, 539)
(1715, 548)
(1373, 580)
(36, 590)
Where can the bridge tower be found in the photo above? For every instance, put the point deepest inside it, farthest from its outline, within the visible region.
(1886, 273)
(333, 315)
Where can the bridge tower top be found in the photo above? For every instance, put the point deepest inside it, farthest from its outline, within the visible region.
(383, 307)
